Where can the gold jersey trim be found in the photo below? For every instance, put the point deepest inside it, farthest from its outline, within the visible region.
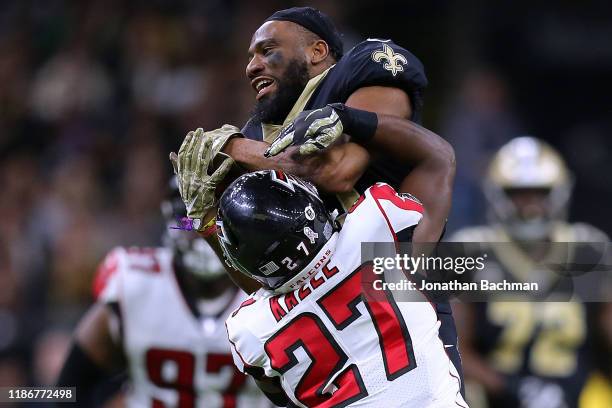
(520, 264)
(270, 131)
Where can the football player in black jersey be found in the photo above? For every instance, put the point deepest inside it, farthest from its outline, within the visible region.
(522, 353)
(342, 121)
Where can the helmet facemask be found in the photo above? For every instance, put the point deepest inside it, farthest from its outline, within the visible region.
(191, 252)
(528, 189)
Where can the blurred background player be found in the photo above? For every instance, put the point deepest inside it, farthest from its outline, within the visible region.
(314, 335)
(528, 354)
(160, 314)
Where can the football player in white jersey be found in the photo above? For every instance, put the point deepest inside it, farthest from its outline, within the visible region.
(160, 314)
(309, 336)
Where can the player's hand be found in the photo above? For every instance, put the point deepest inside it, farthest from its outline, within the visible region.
(311, 131)
(197, 176)
(315, 130)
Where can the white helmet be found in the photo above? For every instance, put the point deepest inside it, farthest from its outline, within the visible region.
(527, 163)
(191, 251)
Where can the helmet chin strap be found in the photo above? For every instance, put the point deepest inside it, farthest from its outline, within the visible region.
(317, 263)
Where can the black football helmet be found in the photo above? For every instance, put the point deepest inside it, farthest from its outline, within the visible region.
(272, 225)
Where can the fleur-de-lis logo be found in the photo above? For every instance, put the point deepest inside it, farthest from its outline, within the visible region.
(394, 60)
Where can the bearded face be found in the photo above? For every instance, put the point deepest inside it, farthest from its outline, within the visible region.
(278, 69)
(274, 106)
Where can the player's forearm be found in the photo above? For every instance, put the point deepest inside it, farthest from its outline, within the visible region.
(474, 365)
(335, 170)
(250, 154)
(340, 167)
(94, 338)
(81, 371)
(432, 184)
(93, 356)
(476, 368)
(433, 162)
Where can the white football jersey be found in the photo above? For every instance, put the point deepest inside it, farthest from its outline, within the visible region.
(175, 358)
(329, 346)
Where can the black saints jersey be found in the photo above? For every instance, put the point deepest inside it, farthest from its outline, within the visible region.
(544, 346)
(372, 62)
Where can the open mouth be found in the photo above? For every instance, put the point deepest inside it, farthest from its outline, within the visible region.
(262, 86)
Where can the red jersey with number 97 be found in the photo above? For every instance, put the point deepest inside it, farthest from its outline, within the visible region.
(175, 358)
(332, 347)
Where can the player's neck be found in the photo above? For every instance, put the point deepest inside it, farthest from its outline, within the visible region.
(318, 69)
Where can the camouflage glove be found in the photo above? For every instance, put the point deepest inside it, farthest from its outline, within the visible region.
(316, 130)
(193, 164)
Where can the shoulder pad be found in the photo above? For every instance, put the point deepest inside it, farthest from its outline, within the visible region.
(386, 210)
(144, 259)
(125, 260)
(381, 62)
(588, 233)
(481, 233)
(107, 271)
